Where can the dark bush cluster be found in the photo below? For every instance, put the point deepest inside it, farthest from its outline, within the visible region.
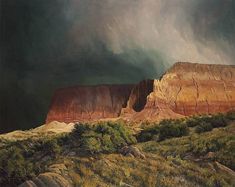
(172, 128)
(149, 133)
(231, 115)
(22, 160)
(207, 123)
(14, 167)
(52, 147)
(163, 130)
(180, 127)
(104, 137)
(203, 127)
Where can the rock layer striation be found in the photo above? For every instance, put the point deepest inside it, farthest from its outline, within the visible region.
(185, 89)
(87, 103)
(189, 89)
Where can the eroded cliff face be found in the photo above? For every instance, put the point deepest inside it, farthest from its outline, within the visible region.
(88, 103)
(185, 89)
(188, 89)
(198, 88)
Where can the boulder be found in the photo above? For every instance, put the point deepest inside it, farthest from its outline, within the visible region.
(132, 151)
(56, 176)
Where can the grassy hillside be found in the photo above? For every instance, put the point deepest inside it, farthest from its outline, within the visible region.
(197, 151)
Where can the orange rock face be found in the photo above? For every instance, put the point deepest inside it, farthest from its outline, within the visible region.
(199, 88)
(185, 89)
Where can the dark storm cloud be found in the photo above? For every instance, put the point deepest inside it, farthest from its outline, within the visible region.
(179, 30)
(46, 44)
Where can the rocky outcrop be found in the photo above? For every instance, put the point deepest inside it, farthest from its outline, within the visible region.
(49, 129)
(87, 103)
(132, 151)
(196, 88)
(56, 176)
(185, 89)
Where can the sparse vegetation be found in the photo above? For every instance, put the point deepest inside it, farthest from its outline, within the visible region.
(180, 127)
(178, 153)
(220, 142)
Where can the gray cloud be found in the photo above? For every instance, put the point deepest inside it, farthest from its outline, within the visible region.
(176, 29)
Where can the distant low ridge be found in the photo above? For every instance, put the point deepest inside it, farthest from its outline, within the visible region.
(185, 89)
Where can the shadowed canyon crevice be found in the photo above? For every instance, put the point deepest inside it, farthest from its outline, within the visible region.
(139, 93)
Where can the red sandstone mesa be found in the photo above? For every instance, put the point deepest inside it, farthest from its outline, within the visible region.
(185, 89)
(87, 103)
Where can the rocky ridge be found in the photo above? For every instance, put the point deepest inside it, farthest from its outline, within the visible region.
(185, 89)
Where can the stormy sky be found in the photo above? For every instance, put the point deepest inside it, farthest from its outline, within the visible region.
(47, 44)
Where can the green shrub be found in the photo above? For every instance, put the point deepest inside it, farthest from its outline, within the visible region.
(80, 129)
(92, 145)
(226, 155)
(203, 127)
(218, 120)
(148, 133)
(176, 128)
(165, 129)
(172, 128)
(145, 136)
(51, 147)
(193, 121)
(22, 160)
(222, 146)
(104, 137)
(230, 115)
(107, 143)
(206, 123)
(14, 169)
(203, 146)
